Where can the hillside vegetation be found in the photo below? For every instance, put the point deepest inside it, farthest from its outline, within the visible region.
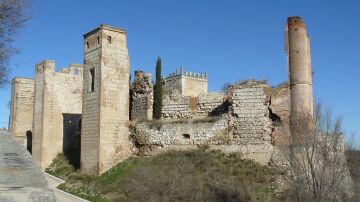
(198, 175)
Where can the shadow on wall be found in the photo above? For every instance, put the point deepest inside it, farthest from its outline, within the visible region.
(72, 138)
(29, 141)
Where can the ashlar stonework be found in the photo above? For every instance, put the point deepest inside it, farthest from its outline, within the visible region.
(21, 109)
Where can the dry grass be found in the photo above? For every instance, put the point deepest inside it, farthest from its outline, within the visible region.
(197, 175)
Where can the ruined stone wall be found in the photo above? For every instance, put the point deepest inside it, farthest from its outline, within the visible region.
(105, 127)
(158, 137)
(21, 108)
(177, 106)
(56, 93)
(245, 128)
(280, 114)
(142, 96)
(249, 118)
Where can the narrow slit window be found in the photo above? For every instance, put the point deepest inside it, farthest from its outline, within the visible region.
(92, 77)
(87, 45)
(98, 40)
(109, 39)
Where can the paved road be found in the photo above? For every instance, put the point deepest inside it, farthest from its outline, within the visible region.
(20, 179)
(62, 196)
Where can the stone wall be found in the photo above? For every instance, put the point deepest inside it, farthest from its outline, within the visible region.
(245, 128)
(105, 127)
(141, 96)
(249, 113)
(280, 114)
(21, 108)
(56, 93)
(177, 106)
(186, 83)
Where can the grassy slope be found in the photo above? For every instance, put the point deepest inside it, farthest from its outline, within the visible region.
(198, 175)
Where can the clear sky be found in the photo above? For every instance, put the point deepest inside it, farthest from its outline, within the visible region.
(231, 40)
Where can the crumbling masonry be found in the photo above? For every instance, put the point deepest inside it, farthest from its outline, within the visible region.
(98, 99)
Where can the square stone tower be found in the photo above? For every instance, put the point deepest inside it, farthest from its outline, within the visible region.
(105, 118)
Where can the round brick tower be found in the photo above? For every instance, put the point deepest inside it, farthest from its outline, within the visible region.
(300, 73)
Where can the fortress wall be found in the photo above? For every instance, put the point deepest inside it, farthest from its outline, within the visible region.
(21, 108)
(249, 118)
(194, 86)
(280, 114)
(141, 96)
(172, 84)
(246, 128)
(177, 106)
(211, 104)
(56, 93)
(141, 107)
(186, 83)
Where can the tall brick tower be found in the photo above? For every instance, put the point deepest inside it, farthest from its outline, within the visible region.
(105, 117)
(297, 48)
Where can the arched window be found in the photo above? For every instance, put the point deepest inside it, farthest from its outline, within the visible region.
(109, 39)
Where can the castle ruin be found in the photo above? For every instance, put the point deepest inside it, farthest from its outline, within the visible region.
(97, 99)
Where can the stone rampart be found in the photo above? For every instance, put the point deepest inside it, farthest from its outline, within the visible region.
(177, 106)
(56, 94)
(21, 109)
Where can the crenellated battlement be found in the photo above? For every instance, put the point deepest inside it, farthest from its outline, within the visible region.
(181, 72)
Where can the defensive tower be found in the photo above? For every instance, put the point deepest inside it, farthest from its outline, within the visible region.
(297, 48)
(105, 132)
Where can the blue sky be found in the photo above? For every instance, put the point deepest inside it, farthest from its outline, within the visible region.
(231, 40)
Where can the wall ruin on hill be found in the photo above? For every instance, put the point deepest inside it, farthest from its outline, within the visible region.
(141, 96)
(176, 106)
(246, 125)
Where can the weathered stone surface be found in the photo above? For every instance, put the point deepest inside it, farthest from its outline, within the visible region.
(21, 108)
(176, 106)
(142, 96)
(186, 83)
(105, 124)
(56, 93)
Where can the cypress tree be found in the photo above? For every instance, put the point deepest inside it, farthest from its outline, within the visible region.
(157, 106)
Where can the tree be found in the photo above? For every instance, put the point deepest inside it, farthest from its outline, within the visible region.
(13, 14)
(157, 106)
(317, 162)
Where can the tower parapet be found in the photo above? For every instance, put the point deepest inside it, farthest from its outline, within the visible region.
(186, 83)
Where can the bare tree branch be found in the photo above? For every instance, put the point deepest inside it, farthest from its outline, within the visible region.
(13, 14)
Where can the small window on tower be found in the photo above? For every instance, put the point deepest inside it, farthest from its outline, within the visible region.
(98, 40)
(109, 39)
(87, 44)
(92, 79)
